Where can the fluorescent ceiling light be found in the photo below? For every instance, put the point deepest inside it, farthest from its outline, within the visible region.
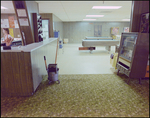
(89, 19)
(3, 7)
(94, 15)
(106, 7)
(125, 19)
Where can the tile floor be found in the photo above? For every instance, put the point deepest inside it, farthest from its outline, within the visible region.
(72, 61)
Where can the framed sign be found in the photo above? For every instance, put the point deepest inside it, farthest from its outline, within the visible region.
(23, 22)
(115, 30)
(21, 13)
(11, 32)
(126, 29)
(4, 23)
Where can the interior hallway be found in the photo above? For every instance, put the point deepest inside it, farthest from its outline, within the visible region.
(71, 60)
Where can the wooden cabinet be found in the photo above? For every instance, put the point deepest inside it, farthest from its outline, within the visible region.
(133, 54)
(22, 68)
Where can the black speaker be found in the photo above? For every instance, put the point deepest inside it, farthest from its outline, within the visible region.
(6, 47)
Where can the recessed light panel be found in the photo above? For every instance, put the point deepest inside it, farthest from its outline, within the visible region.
(89, 19)
(94, 15)
(3, 7)
(125, 19)
(106, 7)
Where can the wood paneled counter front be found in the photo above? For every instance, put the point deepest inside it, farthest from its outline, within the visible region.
(22, 67)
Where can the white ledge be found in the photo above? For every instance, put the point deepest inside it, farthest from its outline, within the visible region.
(30, 47)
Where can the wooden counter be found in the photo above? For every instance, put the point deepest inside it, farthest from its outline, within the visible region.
(22, 67)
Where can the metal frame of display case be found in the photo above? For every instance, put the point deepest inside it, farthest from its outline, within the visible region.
(135, 66)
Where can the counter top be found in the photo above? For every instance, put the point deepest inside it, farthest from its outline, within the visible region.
(16, 40)
(30, 47)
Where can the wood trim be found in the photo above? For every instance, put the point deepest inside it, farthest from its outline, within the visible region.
(35, 27)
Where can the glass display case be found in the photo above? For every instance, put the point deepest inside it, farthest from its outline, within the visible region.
(127, 46)
(133, 54)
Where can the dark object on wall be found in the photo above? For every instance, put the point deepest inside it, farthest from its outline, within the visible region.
(6, 47)
(19, 4)
(17, 43)
(144, 23)
(37, 25)
(3, 44)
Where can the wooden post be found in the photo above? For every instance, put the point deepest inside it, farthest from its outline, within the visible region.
(138, 7)
(23, 21)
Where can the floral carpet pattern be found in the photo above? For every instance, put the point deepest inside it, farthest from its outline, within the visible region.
(103, 95)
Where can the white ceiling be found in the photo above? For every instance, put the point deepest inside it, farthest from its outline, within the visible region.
(9, 5)
(69, 11)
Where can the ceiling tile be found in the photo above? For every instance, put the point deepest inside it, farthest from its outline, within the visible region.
(77, 10)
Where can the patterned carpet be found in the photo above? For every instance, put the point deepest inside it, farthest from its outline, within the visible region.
(105, 95)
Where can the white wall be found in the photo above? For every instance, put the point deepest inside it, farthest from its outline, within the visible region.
(58, 25)
(76, 31)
